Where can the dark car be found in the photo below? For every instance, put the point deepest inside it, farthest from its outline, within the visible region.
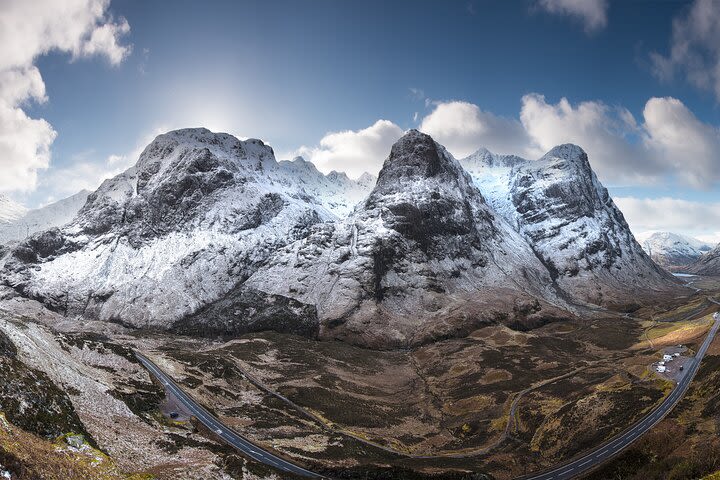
(174, 415)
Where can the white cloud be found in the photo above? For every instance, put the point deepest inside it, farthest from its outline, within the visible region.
(602, 131)
(592, 13)
(686, 145)
(667, 214)
(463, 127)
(28, 30)
(669, 142)
(694, 48)
(354, 152)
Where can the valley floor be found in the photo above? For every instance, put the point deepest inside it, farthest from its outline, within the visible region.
(498, 402)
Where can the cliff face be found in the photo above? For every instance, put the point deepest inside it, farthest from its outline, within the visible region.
(209, 235)
(571, 223)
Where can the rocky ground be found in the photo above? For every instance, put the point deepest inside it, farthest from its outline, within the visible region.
(440, 408)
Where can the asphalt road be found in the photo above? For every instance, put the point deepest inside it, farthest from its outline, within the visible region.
(609, 449)
(227, 434)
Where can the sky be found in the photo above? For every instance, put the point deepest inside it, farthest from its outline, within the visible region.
(86, 84)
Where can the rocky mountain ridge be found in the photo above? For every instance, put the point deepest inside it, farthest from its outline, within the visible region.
(567, 216)
(208, 234)
(707, 264)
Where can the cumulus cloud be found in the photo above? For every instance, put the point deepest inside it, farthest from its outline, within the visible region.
(686, 145)
(668, 141)
(602, 131)
(81, 28)
(672, 215)
(592, 13)
(354, 151)
(463, 127)
(694, 48)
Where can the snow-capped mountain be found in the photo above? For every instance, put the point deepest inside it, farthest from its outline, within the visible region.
(572, 224)
(707, 264)
(423, 257)
(336, 191)
(197, 215)
(52, 215)
(672, 250)
(10, 210)
(208, 234)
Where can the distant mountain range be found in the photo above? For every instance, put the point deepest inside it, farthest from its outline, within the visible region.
(673, 251)
(208, 235)
(19, 223)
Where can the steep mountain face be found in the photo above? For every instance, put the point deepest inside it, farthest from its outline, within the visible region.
(196, 216)
(210, 235)
(572, 224)
(335, 191)
(424, 257)
(708, 264)
(10, 210)
(673, 251)
(37, 220)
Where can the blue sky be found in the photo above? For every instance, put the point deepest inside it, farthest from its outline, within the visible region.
(290, 72)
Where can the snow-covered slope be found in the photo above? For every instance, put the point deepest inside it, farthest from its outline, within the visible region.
(423, 257)
(209, 235)
(335, 191)
(707, 264)
(672, 250)
(572, 224)
(196, 215)
(53, 215)
(10, 210)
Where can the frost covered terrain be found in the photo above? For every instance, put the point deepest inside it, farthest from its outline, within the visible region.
(423, 257)
(9, 210)
(673, 251)
(570, 221)
(208, 234)
(37, 220)
(196, 215)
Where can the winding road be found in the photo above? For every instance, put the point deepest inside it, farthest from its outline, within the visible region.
(227, 434)
(566, 471)
(614, 446)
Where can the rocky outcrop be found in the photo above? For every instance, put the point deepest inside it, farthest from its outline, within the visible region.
(196, 216)
(424, 257)
(572, 225)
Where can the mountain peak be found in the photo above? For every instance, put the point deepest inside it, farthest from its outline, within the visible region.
(567, 151)
(416, 155)
(484, 157)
